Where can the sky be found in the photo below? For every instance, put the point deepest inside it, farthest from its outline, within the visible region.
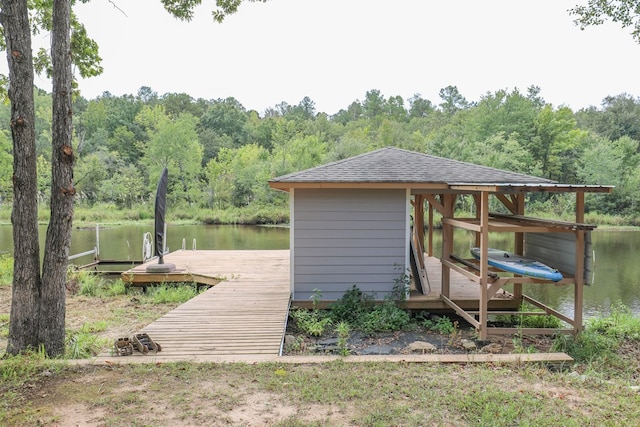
(334, 51)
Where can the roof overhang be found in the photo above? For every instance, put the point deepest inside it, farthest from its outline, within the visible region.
(529, 188)
(439, 188)
(286, 186)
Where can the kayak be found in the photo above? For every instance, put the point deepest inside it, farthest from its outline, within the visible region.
(518, 264)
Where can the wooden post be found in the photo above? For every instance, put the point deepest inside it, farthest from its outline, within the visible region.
(477, 201)
(484, 265)
(579, 272)
(418, 221)
(518, 201)
(448, 201)
(430, 247)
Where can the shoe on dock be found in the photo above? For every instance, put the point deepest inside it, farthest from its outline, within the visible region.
(144, 344)
(123, 347)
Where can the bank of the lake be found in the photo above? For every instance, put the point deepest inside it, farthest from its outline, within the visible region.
(110, 214)
(248, 215)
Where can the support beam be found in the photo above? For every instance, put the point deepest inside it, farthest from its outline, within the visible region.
(466, 316)
(438, 205)
(476, 199)
(430, 246)
(418, 221)
(518, 204)
(484, 263)
(508, 203)
(548, 310)
(579, 273)
(447, 242)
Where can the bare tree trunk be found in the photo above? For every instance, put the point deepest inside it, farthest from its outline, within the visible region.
(54, 269)
(25, 304)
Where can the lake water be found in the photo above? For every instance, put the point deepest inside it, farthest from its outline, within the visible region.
(617, 270)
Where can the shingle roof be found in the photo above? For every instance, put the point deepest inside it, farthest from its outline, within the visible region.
(394, 165)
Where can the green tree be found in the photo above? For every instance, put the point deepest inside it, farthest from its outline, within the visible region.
(173, 143)
(506, 113)
(125, 188)
(373, 104)
(178, 103)
(617, 118)
(219, 175)
(251, 170)
(183, 9)
(239, 176)
(503, 152)
(596, 12)
(452, 100)
(305, 110)
(224, 120)
(124, 142)
(354, 112)
(93, 119)
(420, 107)
(612, 163)
(395, 110)
(260, 131)
(556, 142)
(91, 170)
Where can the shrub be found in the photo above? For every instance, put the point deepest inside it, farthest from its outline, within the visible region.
(442, 325)
(343, 331)
(313, 323)
(353, 304)
(385, 317)
(84, 344)
(89, 284)
(175, 294)
(602, 337)
(116, 288)
(541, 321)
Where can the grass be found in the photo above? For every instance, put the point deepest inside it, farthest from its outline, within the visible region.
(609, 347)
(6, 270)
(336, 393)
(595, 390)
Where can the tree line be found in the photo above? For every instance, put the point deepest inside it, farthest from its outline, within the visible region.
(222, 155)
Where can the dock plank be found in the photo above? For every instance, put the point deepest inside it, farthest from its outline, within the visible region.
(244, 314)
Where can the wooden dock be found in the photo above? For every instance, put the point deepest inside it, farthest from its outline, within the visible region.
(243, 315)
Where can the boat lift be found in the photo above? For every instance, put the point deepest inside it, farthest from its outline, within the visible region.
(147, 254)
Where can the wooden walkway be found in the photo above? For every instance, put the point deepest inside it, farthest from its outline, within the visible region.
(243, 315)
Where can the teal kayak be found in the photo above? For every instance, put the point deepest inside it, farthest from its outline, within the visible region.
(514, 263)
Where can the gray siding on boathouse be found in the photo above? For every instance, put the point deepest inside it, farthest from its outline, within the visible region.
(346, 237)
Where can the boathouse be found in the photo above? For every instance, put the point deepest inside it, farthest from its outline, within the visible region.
(361, 221)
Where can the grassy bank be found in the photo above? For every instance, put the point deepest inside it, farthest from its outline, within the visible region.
(109, 214)
(249, 215)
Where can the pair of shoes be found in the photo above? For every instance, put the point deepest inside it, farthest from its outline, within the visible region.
(123, 347)
(144, 344)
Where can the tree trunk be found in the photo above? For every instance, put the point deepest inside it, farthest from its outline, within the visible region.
(23, 326)
(54, 268)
